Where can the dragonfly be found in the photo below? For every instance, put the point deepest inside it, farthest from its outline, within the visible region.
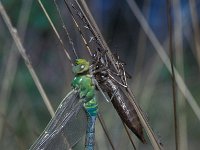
(114, 76)
(110, 81)
(69, 123)
(78, 111)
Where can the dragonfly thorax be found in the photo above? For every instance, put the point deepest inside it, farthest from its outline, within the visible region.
(83, 83)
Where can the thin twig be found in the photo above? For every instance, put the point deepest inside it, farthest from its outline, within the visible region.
(22, 51)
(160, 50)
(171, 49)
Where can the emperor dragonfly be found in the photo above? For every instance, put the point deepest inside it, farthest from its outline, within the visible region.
(62, 132)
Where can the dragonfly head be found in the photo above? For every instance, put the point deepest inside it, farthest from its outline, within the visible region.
(81, 65)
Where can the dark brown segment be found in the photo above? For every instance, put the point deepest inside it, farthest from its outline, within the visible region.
(125, 109)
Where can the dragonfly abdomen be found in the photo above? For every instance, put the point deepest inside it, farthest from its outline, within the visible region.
(90, 133)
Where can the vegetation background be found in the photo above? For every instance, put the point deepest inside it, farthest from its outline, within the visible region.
(23, 114)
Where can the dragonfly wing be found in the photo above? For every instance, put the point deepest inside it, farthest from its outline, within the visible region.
(85, 27)
(67, 126)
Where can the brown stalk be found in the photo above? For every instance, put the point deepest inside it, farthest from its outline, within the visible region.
(22, 51)
(171, 49)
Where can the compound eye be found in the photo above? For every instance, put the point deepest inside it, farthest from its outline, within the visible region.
(82, 66)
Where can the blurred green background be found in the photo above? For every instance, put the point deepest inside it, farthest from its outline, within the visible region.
(23, 114)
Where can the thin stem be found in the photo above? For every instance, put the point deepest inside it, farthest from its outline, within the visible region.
(170, 26)
(22, 51)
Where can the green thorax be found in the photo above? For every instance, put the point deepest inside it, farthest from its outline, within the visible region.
(83, 83)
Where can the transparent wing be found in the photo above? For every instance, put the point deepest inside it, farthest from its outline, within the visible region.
(85, 28)
(67, 126)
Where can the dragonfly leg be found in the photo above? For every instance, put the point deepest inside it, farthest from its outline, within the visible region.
(122, 84)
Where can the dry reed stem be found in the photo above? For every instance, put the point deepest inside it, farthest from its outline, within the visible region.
(171, 55)
(141, 49)
(12, 61)
(22, 51)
